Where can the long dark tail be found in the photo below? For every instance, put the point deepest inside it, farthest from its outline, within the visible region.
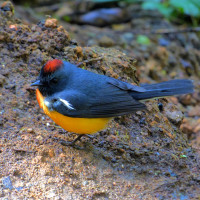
(168, 88)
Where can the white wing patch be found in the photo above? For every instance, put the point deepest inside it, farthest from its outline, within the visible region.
(67, 104)
(46, 103)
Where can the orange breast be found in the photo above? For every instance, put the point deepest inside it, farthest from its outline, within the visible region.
(72, 124)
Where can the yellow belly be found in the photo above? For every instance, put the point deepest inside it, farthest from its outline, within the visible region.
(72, 124)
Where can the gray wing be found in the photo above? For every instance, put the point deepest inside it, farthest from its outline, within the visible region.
(111, 100)
(125, 86)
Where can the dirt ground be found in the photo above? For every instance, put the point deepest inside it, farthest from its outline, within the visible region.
(152, 154)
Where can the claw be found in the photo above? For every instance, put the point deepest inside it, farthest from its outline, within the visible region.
(72, 143)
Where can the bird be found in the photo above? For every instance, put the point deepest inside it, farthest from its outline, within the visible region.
(84, 102)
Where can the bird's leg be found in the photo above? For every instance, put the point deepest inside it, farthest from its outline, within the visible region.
(72, 143)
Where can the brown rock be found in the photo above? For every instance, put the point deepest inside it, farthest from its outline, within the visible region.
(51, 23)
(194, 111)
(186, 128)
(13, 27)
(197, 128)
(51, 153)
(2, 80)
(187, 99)
(30, 130)
(175, 117)
(106, 41)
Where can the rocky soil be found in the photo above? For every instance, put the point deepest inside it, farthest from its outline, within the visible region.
(151, 154)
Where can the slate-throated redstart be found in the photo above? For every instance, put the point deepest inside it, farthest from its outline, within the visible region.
(83, 102)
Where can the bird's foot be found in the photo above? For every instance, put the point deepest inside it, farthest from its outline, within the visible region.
(72, 143)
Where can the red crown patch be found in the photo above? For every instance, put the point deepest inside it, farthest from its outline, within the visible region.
(52, 65)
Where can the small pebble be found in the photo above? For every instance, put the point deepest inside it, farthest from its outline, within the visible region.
(175, 117)
(51, 23)
(7, 183)
(106, 41)
(2, 80)
(13, 27)
(30, 130)
(164, 42)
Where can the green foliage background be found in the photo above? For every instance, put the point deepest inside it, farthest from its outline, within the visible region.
(176, 10)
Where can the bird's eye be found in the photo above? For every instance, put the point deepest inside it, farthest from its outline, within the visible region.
(54, 80)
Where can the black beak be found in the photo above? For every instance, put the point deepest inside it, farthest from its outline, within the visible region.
(36, 83)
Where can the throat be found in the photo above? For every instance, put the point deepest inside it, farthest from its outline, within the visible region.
(43, 90)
